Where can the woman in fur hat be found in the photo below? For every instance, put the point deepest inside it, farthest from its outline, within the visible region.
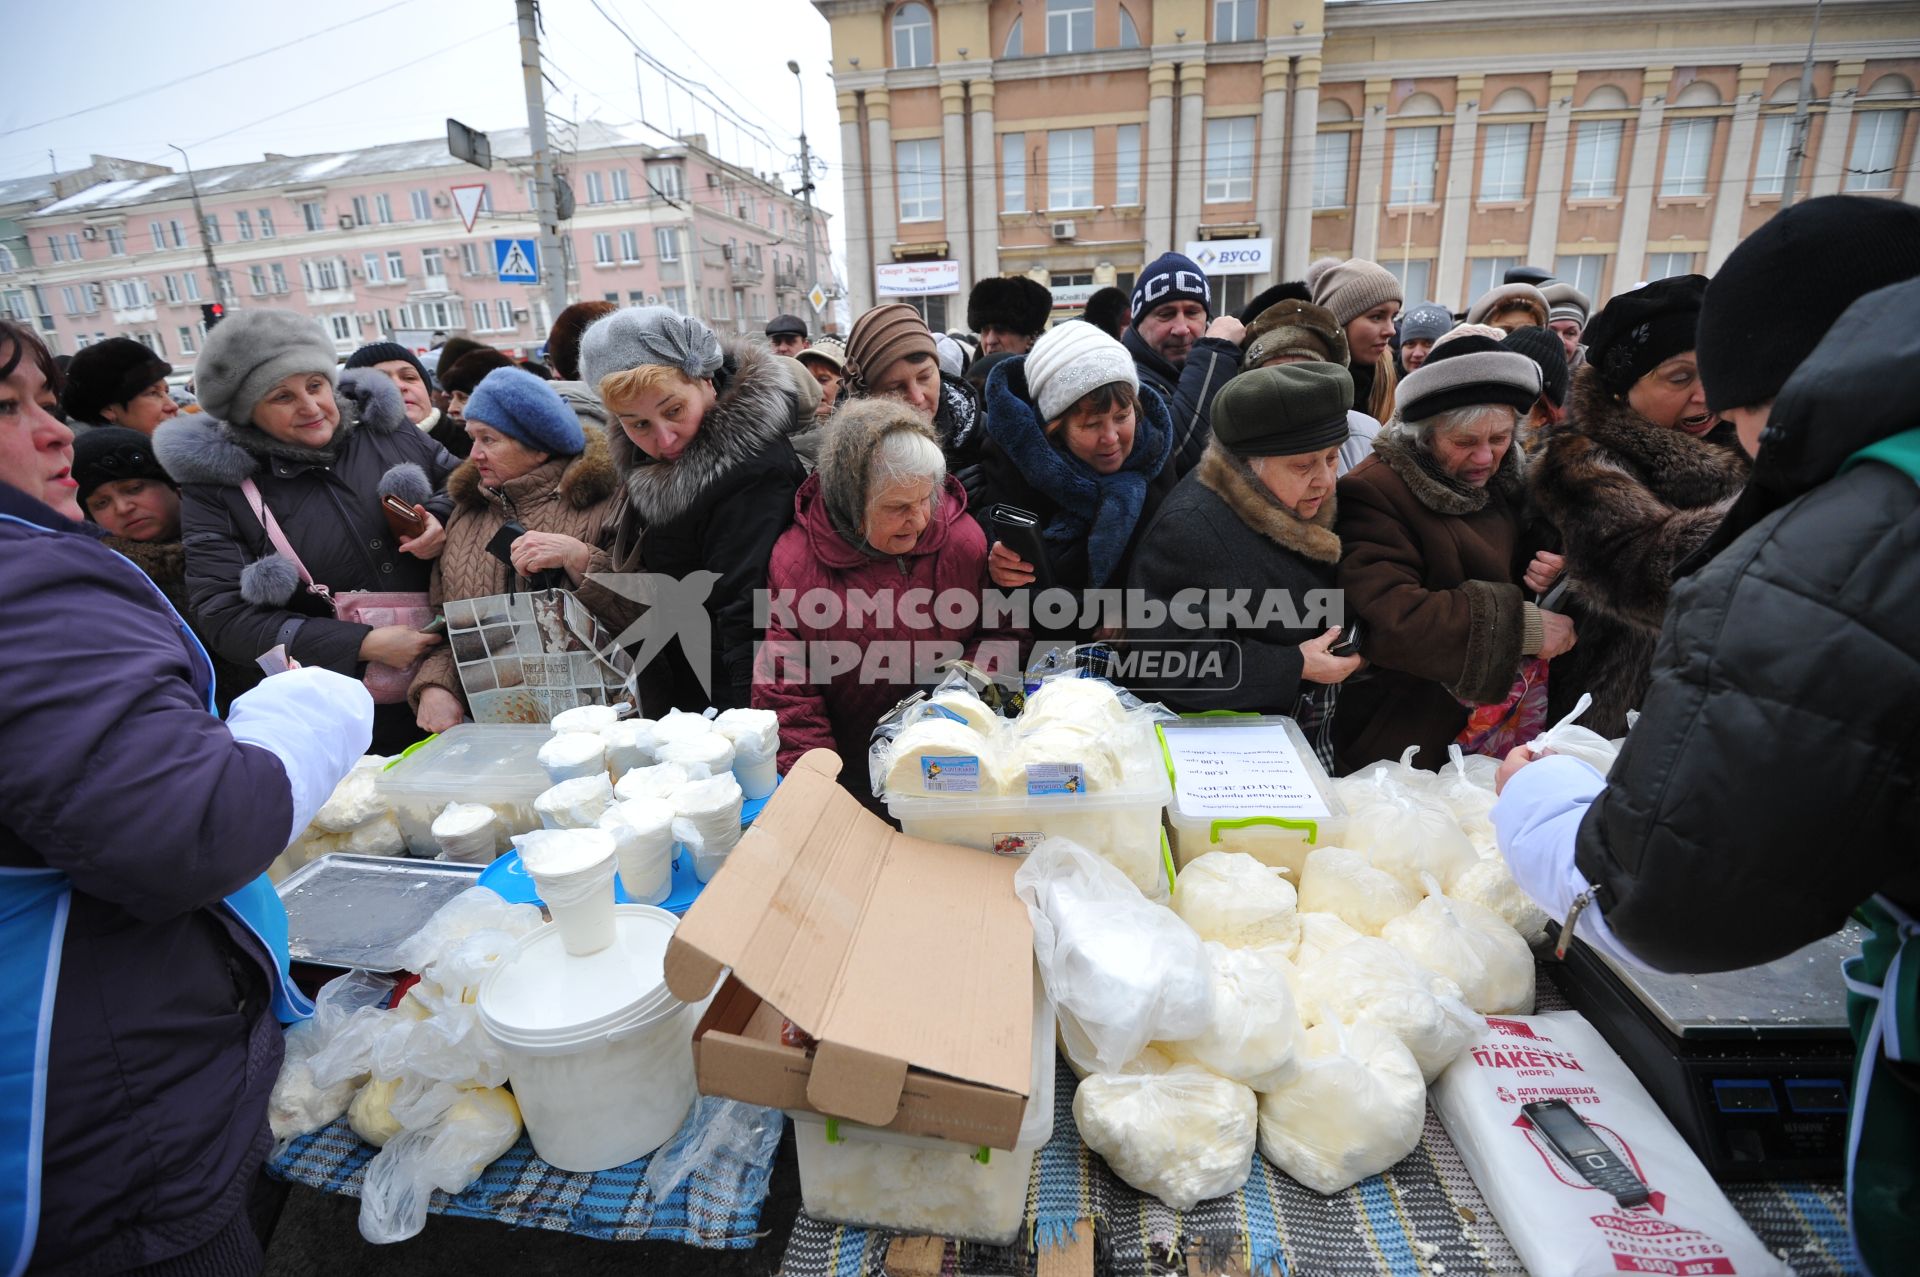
(881, 516)
(699, 440)
(319, 463)
(530, 463)
(1636, 478)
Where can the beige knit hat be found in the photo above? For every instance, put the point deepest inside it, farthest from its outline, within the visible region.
(1351, 288)
(1294, 327)
(883, 336)
(1506, 297)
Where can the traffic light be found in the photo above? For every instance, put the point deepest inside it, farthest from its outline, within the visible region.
(211, 313)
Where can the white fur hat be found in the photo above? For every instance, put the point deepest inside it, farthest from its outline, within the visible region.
(1070, 360)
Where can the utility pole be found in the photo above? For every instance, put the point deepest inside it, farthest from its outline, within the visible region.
(806, 175)
(552, 266)
(200, 219)
(1798, 152)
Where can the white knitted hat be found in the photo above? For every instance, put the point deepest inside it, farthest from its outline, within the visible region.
(1073, 359)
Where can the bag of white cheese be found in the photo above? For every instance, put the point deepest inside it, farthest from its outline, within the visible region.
(1354, 1107)
(1183, 1135)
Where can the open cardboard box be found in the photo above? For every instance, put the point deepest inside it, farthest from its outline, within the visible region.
(909, 962)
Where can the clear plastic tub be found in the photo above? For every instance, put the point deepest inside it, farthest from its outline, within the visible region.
(1282, 838)
(852, 1174)
(494, 764)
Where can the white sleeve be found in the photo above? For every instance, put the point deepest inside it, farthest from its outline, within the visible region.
(316, 722)
(1537, 821)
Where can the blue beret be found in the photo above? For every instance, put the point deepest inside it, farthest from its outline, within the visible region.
(523, 407)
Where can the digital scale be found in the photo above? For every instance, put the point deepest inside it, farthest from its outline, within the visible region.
(1753, 1067)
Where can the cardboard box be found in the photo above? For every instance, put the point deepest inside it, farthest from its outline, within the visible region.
(909, 962)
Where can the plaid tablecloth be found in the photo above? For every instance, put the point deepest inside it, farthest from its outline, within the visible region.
(717, 1206)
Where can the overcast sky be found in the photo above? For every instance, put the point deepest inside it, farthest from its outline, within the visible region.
(412, 63)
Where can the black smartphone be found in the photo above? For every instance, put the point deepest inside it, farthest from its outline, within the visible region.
(1019, 531)
(1348, 644)
(1583, 1150)
(501, 547)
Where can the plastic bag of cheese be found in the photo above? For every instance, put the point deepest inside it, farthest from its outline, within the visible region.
(1182, 1135)
(1231, 897)
(1344, 882)
(1560, 1225)
(1368, 979)
(1255, 1023)
(1471, 946)
(1590, 747)
(1353, 1108)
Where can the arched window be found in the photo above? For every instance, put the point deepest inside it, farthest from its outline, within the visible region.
(1420, 104)
(1786, 91)
(1013, 48)
(1334, 111)
(912, 36)
(1515, 99)
(1699, 93)
(1130, 34)
(1890, 85)
(1608, 97)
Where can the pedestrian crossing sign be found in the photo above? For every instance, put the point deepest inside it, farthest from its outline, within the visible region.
(517, 261)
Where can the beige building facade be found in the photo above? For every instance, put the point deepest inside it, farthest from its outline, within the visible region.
(1608, 141)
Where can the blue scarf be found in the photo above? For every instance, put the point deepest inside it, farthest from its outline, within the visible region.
(1099, 509)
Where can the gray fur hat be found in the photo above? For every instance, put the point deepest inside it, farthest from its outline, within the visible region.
(250, 351)
(640, 335)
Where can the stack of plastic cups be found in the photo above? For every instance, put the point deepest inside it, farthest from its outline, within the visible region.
(573, 869)
(630, 744)
(755, 734)
(572, 755)
(709, 749)
(577, 803)
(467, 833)
(661, 780)
(707, 820)
(642, 830)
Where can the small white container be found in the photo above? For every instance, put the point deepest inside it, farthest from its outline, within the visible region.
(600, 1054)
(708, 749)
(757, 776)
(576, 803)
(571, 755)
(468, 833)
(630, 743)
(642, 830)
(1278, 838)
(852, 1174)
(573, 870)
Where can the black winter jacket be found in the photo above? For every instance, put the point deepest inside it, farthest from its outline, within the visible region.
(1773, 781)
(1188, 390)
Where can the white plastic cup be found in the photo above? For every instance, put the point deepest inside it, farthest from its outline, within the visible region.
(586, 718)
(468, 833)
(710, 749)
(573, 870)
(642, 832)
(757, 776)
(576, 803)
(572, 755)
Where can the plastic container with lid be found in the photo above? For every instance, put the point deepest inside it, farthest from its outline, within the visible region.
(852, 1174)
(1275, 831)
(600, 1054)
(494, 764)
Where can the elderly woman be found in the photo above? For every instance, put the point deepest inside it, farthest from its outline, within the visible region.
(409, 377)
(891, 355)
(1258, 512)
(1434, 558)
(699, 439)
(1077, 442)
(1293, 332)
(881, 516)
(1635, 479)
(532, 465)
(1364, 299)
(1510, 306)
(145, 950)
(279, 463)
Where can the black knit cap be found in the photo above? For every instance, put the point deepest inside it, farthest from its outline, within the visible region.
(1284, 410)
(1636, 332)
(1788, 282)
(382, 352)
(106, 454)
(1546, 349)
(467, 372)
(107, 373)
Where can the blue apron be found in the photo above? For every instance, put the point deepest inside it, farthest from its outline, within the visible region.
(33, 923)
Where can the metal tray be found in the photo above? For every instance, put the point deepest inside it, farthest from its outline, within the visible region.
(355, 911)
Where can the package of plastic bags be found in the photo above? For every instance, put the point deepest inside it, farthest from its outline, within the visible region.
(576, 803)
(1255, 1025)
(1354, 1107)
(1183, 1135)
(1369, 980)
(1231, 897)
(1471, 946)
(1340, 881)
(448, 1153)
(1121, 970)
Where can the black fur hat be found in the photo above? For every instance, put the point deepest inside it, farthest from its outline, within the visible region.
(1013, 302)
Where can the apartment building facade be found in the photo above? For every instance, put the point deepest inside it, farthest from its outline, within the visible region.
(371, 243)
(1609, 141)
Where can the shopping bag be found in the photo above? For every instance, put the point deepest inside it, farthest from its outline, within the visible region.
(1497, 729)
(527, 655)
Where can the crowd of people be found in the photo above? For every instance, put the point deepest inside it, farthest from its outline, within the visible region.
(1502, 503)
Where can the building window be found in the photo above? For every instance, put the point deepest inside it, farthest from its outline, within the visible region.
(158, 235)
(312, 215)
(1233, 19)
(1876, 142)
(360, 215)
(620, 188)
(1013, 172)
(912, 36)
(1416, 280)
(192, 282)
(257, 280)
(422, 205)
(384, 320)
(1069, 169)
(1126, 165)
(504, 308)
(1069, 26)
(279, 274)
(596, 192)
(1330, 154)
(432, 267)
(116, 242)
(676, 299)
(186, 339)
(73, 246)
(171, 283)
(917, 170)
(396, 266)
(1485, 273)
(1667, 265)
(629, 247)
(933, 310)
(603, 248)
(383, 209)
(223, 286)
(1012, 48)
(342, 327)
(370, 268)
(719, 302)
(1503, 166)
(209, 226)
(1770, 159)
(666, 242)
(244, 220)
(667, 179)
(54, 250)
(1416, 157)
(1582, 271)
(1129, 34)
(1229, 160)
(1596, 159)
(1689, 149)
(470, 258)
(266, 223)
(69, 301)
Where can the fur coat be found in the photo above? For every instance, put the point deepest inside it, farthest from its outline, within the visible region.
(1630, 501)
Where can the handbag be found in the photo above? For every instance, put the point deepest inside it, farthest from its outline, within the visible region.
(527, 655)
(1498, 729)
(374, 608)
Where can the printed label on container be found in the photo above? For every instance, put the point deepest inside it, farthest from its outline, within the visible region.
(1055, 778)
(1022, 843)
(950, 774)
(941, 711)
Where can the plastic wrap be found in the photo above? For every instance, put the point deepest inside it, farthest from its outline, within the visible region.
(937, 756)
(1091, 704)
(448, 1154)
(1182, 1135)
(1231, 897)
(1344, 882)
(659, 780)
(575, 804)
(571, 755)
(629, 744)
(1121, 971)
(1473, 947)
(355, 800)
(1408, 837)
(642, 830)
(709, 749)
(1369, 980)
(1590, 747)
(1255, 1025)
(589, 719)
(299, 1104)
(960, 702)
(1354, 1107)
(380, 836)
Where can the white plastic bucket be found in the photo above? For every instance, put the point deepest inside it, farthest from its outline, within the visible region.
(573, 870)
(600, 1054)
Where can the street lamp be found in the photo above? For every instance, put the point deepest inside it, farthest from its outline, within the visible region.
(806, 174)
(206, 242)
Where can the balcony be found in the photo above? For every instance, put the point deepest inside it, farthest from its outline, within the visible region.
(789, 281)
(741, 271)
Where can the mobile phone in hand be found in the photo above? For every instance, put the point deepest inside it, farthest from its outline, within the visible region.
(1019, 531)
(1348, 644)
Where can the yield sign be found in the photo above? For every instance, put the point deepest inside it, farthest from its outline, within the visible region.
(467, 200)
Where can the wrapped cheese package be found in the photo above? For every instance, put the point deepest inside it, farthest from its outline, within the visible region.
(1183, 1135)
(1255, 1025)
(1231, 897)
(1354, 1107)
(1471, 946)
(1371, 980)
(1339, 881)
